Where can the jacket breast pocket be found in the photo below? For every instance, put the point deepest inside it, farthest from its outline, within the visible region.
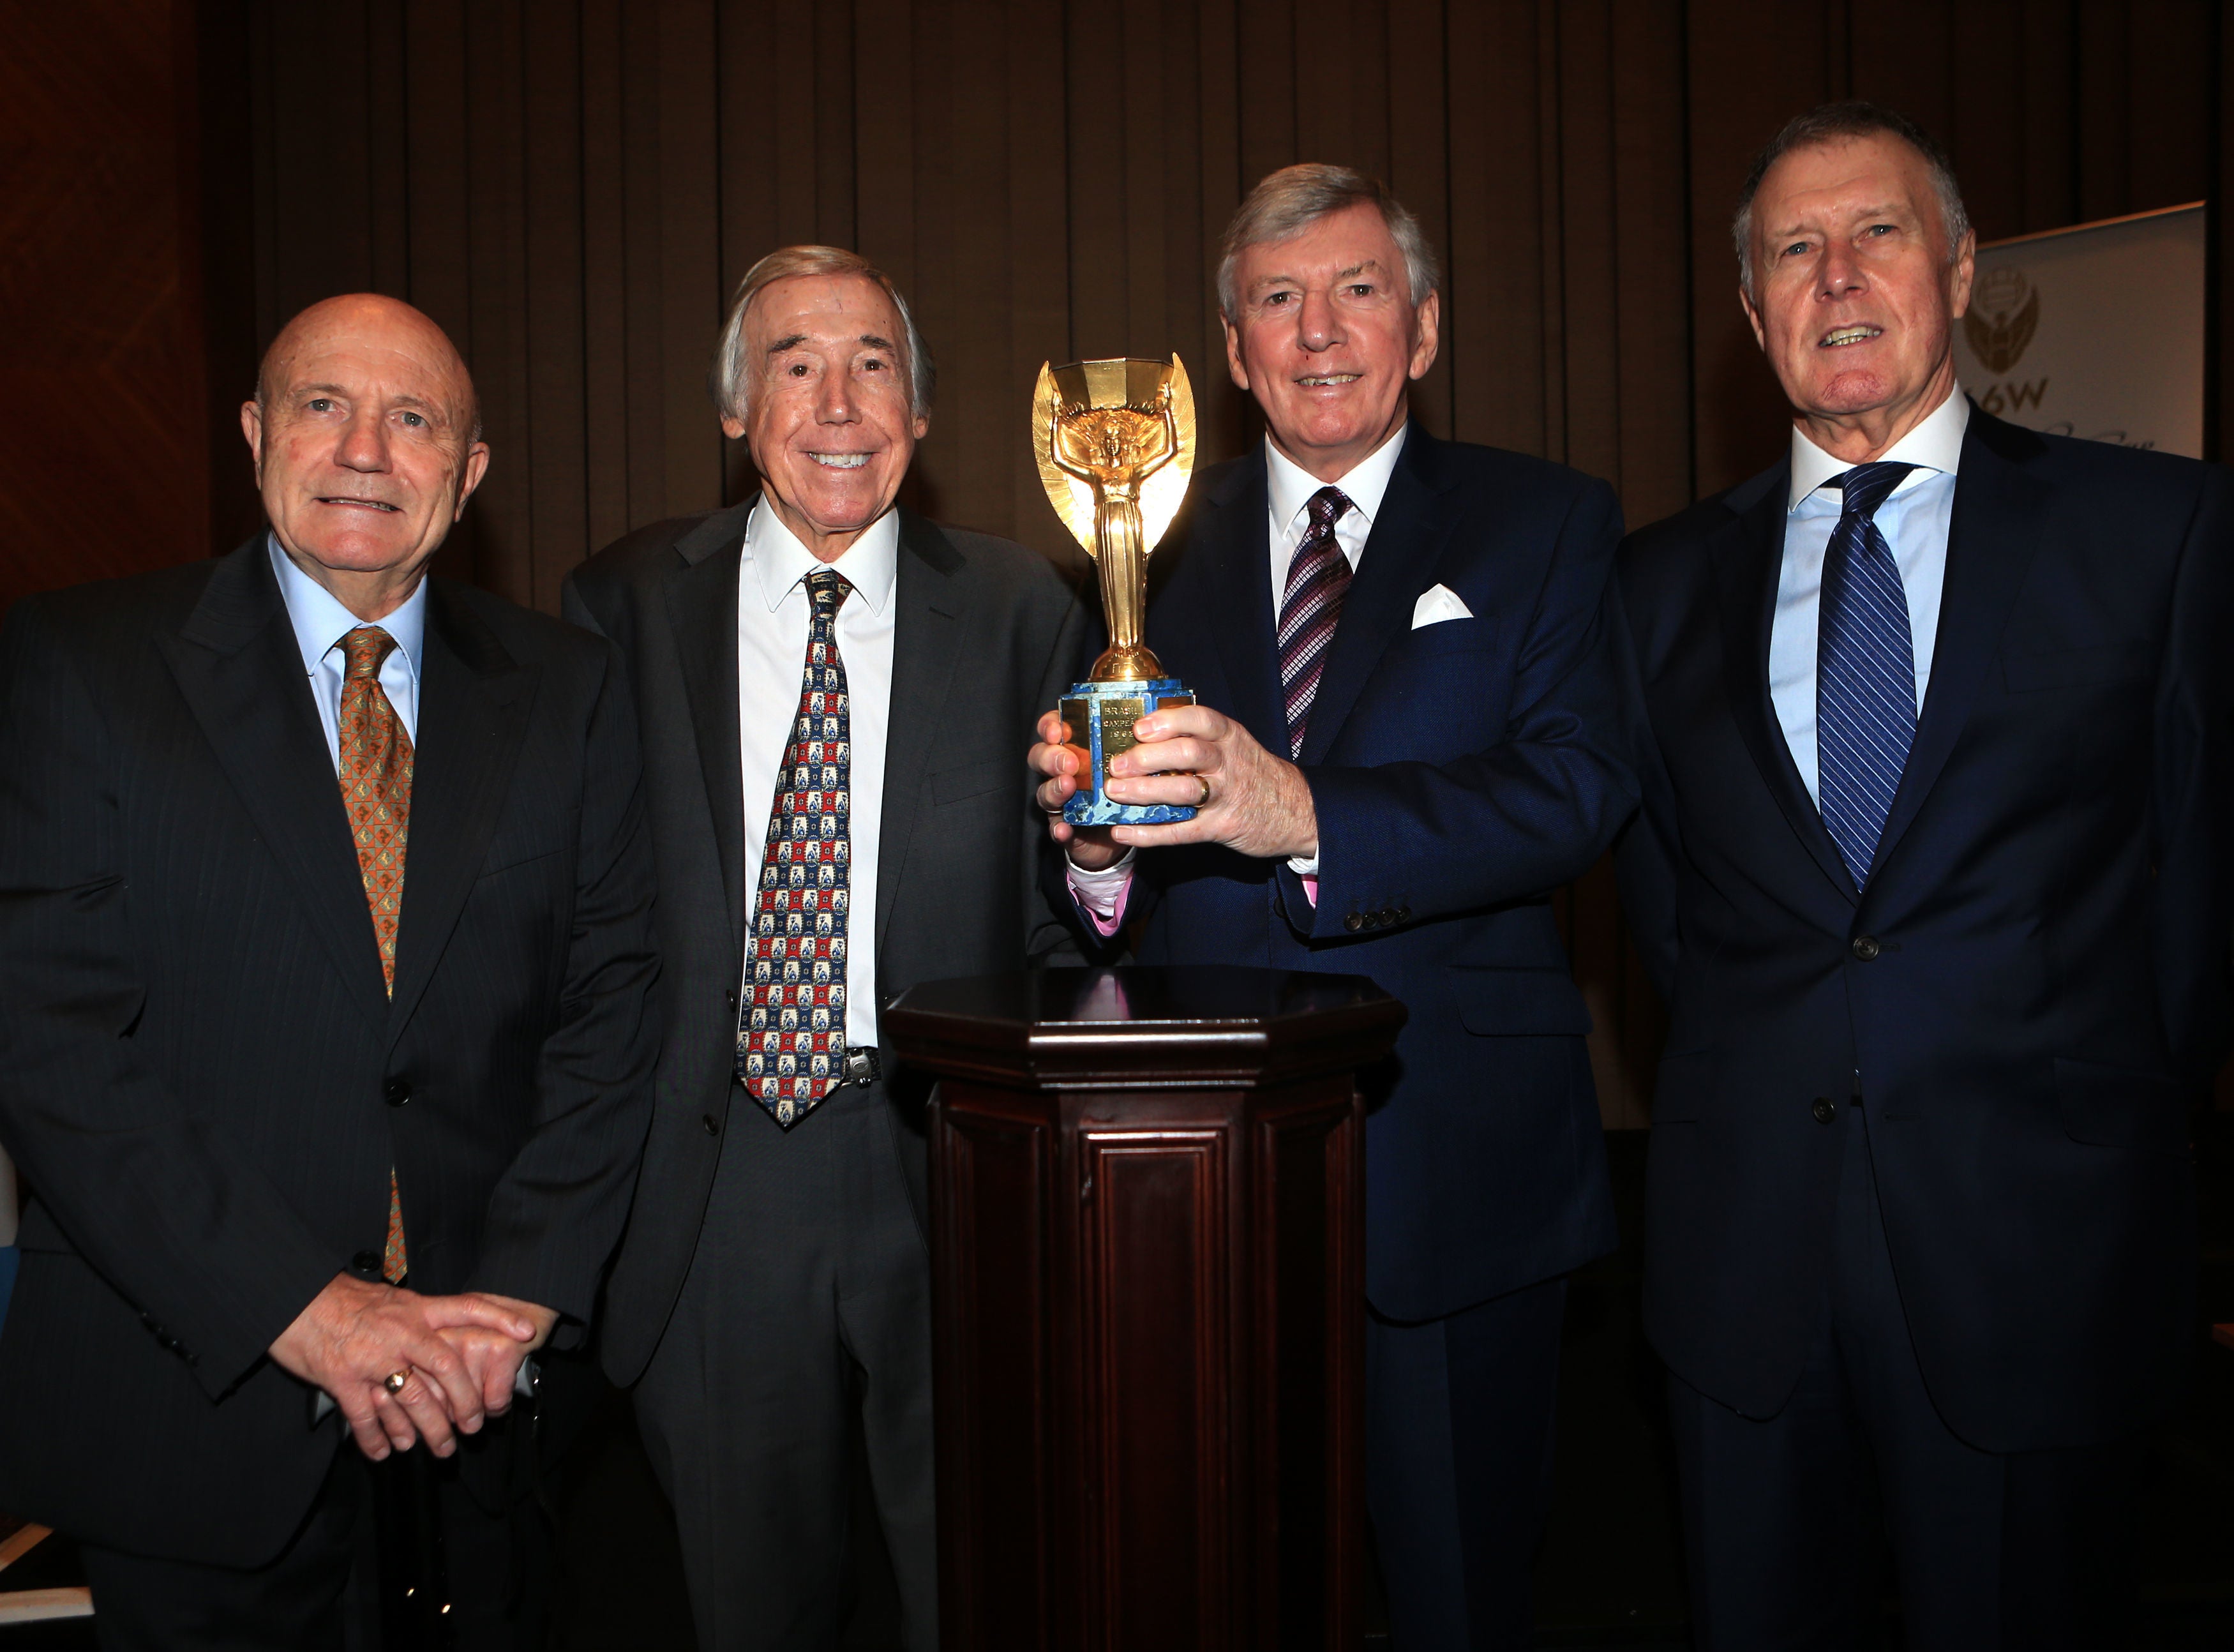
(2077, 668)
(1449, 637)
(1503, 1002)
(2121, 1107)
(967, 780)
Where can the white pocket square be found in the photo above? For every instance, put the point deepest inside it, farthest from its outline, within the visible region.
(1437, 605)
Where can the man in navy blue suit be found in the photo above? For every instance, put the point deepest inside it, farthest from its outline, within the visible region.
(1930, 869)
(1407, 738)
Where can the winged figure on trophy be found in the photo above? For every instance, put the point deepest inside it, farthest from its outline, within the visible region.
(1115, 442)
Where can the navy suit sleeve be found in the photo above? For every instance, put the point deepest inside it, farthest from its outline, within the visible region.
(181, 1223)
(555, 1216)
(2193, 923)
(1518, 818)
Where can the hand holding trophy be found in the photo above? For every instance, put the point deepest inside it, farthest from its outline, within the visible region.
(1115, 442)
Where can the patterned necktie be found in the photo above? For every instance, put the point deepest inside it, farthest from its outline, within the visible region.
(1864, 672)
(1317, 581)
(791, 1046)
(375, 775)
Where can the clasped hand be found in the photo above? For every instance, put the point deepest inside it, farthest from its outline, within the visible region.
(459, 1355)
(1259, 804)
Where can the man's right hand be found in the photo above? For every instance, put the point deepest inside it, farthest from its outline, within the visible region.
(356, 1333)
(1088, 847)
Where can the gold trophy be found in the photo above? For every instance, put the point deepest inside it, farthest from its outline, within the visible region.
(1115, 442)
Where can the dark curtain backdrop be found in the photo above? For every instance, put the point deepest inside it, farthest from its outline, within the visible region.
(571, 189)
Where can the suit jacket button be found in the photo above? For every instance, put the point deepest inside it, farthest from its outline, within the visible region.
(1403, 915)
(398, 1091)
(707, 1119)
(1866, 948)
(733, 998)
(1354, 922)
(1389, 916)
(1825, 1109)
(366, 1262)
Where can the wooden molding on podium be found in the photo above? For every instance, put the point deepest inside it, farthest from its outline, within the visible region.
(1147, 1212)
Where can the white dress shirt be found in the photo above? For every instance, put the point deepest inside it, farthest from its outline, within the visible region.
(772, 612)
(321, 621)
(1914, 520)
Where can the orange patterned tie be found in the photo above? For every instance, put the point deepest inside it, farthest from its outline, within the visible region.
(375, 774)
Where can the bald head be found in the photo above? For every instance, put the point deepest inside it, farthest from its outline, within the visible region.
(366, 434)
(372, 317)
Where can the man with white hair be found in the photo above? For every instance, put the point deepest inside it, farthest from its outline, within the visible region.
(1932, 871)
(1406, 740)
(830, 687)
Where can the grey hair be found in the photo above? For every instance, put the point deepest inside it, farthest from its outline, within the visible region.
(1291, 200)
(728, 381)
(1834, 123)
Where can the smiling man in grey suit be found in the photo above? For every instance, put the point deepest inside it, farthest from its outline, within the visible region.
(830, 691)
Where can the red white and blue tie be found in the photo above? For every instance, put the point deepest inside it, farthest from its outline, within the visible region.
(791, 1044)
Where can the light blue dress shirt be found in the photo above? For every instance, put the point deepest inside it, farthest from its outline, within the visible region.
(321, 621)
(1914, 520)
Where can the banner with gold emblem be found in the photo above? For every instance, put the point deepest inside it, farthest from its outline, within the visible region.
(2095, 331)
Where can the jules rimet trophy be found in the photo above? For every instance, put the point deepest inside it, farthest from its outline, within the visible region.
(1115, 442)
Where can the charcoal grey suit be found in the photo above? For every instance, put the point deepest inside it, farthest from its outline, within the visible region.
(771, 1302)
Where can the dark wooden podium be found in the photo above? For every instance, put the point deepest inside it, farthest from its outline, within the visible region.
(1147, 1208)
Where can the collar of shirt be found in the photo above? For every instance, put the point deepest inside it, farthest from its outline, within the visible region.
(1290, 488)
(1935, 445)
(779, 561)
(321, 621)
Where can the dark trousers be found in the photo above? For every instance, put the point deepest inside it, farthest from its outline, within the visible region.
(1459, 1416)
(802, 1334)
(333, 1588)
(2020, 1551)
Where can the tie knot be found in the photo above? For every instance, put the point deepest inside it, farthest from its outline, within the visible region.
(365, 648)
(1865, 487)
(1327, 508)
(827, 589)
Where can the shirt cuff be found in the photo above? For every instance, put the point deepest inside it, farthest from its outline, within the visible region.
(1101, 894)
(1303, 865)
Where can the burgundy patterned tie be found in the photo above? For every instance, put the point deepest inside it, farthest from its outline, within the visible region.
(1316, 580)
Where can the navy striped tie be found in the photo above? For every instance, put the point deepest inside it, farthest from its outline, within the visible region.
(1317, 580)
(1864, 672)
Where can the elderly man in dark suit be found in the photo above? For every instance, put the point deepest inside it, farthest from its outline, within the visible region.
(830, 687)
(1407, 738)
(329, 1098)
(1931, 868)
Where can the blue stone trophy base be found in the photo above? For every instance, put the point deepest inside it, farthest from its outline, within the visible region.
(1102, 715)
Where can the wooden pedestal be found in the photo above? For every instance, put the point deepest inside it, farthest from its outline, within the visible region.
(1147, 1208)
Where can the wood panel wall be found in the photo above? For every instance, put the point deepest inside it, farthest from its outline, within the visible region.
(572, 186)
(104, 454)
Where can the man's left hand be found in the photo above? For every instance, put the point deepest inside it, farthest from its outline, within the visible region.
(1259, 804)
(493, 1359)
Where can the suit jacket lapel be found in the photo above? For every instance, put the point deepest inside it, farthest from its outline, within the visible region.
(925, 653)
(473, 705)
(702, 606)
(1228, 533)
(238, 666)
(1406, 540)
(1747, 553)
(2001, 512)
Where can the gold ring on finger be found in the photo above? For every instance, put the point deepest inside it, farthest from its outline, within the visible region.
(394, 1381)
(1203, 780)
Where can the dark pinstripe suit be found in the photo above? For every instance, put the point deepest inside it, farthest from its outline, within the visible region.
(201, 1074)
